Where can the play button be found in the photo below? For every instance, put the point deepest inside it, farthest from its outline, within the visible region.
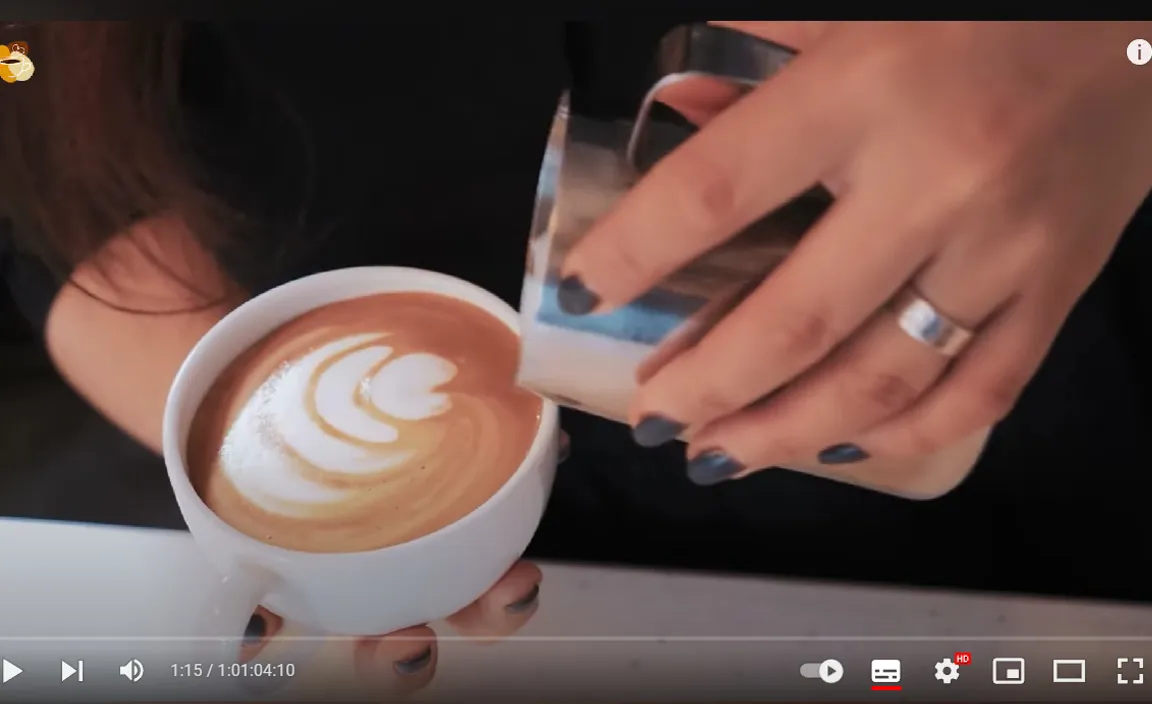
(831, 671)
(8, 671)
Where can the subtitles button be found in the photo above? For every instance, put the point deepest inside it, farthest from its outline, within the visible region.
(885, 675)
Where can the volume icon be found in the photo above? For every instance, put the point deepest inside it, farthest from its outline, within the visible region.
(133, 670)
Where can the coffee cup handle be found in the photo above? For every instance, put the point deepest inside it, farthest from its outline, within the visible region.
(223, 618)
(228, 606)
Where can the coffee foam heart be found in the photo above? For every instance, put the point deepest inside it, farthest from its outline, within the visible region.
(342, 432)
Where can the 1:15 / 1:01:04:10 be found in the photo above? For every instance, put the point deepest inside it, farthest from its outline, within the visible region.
(249, 669)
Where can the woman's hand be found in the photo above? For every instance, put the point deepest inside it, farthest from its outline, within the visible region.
(405, 661)
(988, 168)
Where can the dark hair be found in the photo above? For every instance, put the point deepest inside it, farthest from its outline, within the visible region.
(95, 139)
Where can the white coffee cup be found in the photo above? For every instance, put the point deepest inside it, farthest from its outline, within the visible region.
(361, 593)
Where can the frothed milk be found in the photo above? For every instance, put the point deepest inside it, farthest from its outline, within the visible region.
(363, 424)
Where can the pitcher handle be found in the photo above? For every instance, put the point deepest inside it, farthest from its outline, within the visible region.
(703, 50)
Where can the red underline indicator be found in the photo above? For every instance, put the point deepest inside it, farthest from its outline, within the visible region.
(886, 688)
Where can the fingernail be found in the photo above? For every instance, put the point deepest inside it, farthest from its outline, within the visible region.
(575, 298)
(845, 453)
(713, 467)
(525, 602)
(255, 629)
(413, 665)
(654, 431)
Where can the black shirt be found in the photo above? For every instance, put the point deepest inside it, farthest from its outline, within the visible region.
(418, 144)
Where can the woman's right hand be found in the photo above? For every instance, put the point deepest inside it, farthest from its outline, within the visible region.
(982, 180)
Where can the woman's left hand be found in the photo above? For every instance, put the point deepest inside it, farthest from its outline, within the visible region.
(403, 662)
(986, 168)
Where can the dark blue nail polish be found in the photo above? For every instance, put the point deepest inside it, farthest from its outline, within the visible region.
(845, 453)
(525, 602)
(654, 431)
(575, 298)
(713, 467)
(413, 665)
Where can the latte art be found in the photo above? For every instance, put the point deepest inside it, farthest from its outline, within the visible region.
(364, 423)
(337, 410)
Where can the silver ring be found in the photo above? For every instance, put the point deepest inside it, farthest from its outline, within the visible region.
(923, 323)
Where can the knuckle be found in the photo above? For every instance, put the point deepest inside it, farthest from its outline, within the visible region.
(978, 158)
(1031, 250)
(990, 402)
(991, 135)
(701, 386)
(969, 174)
(706, 190)
(713, 401)
(626, 258)
(975, 406)
(885, 392)
(803, 334)
(917, 440)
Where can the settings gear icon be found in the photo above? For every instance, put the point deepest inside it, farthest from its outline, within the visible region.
(947, 671)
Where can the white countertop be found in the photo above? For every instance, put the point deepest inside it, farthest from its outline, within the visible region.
(79, 581)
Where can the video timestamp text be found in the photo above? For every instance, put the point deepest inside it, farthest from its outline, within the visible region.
(235, 669)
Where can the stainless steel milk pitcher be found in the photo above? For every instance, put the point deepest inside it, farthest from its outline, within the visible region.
(592, 362)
